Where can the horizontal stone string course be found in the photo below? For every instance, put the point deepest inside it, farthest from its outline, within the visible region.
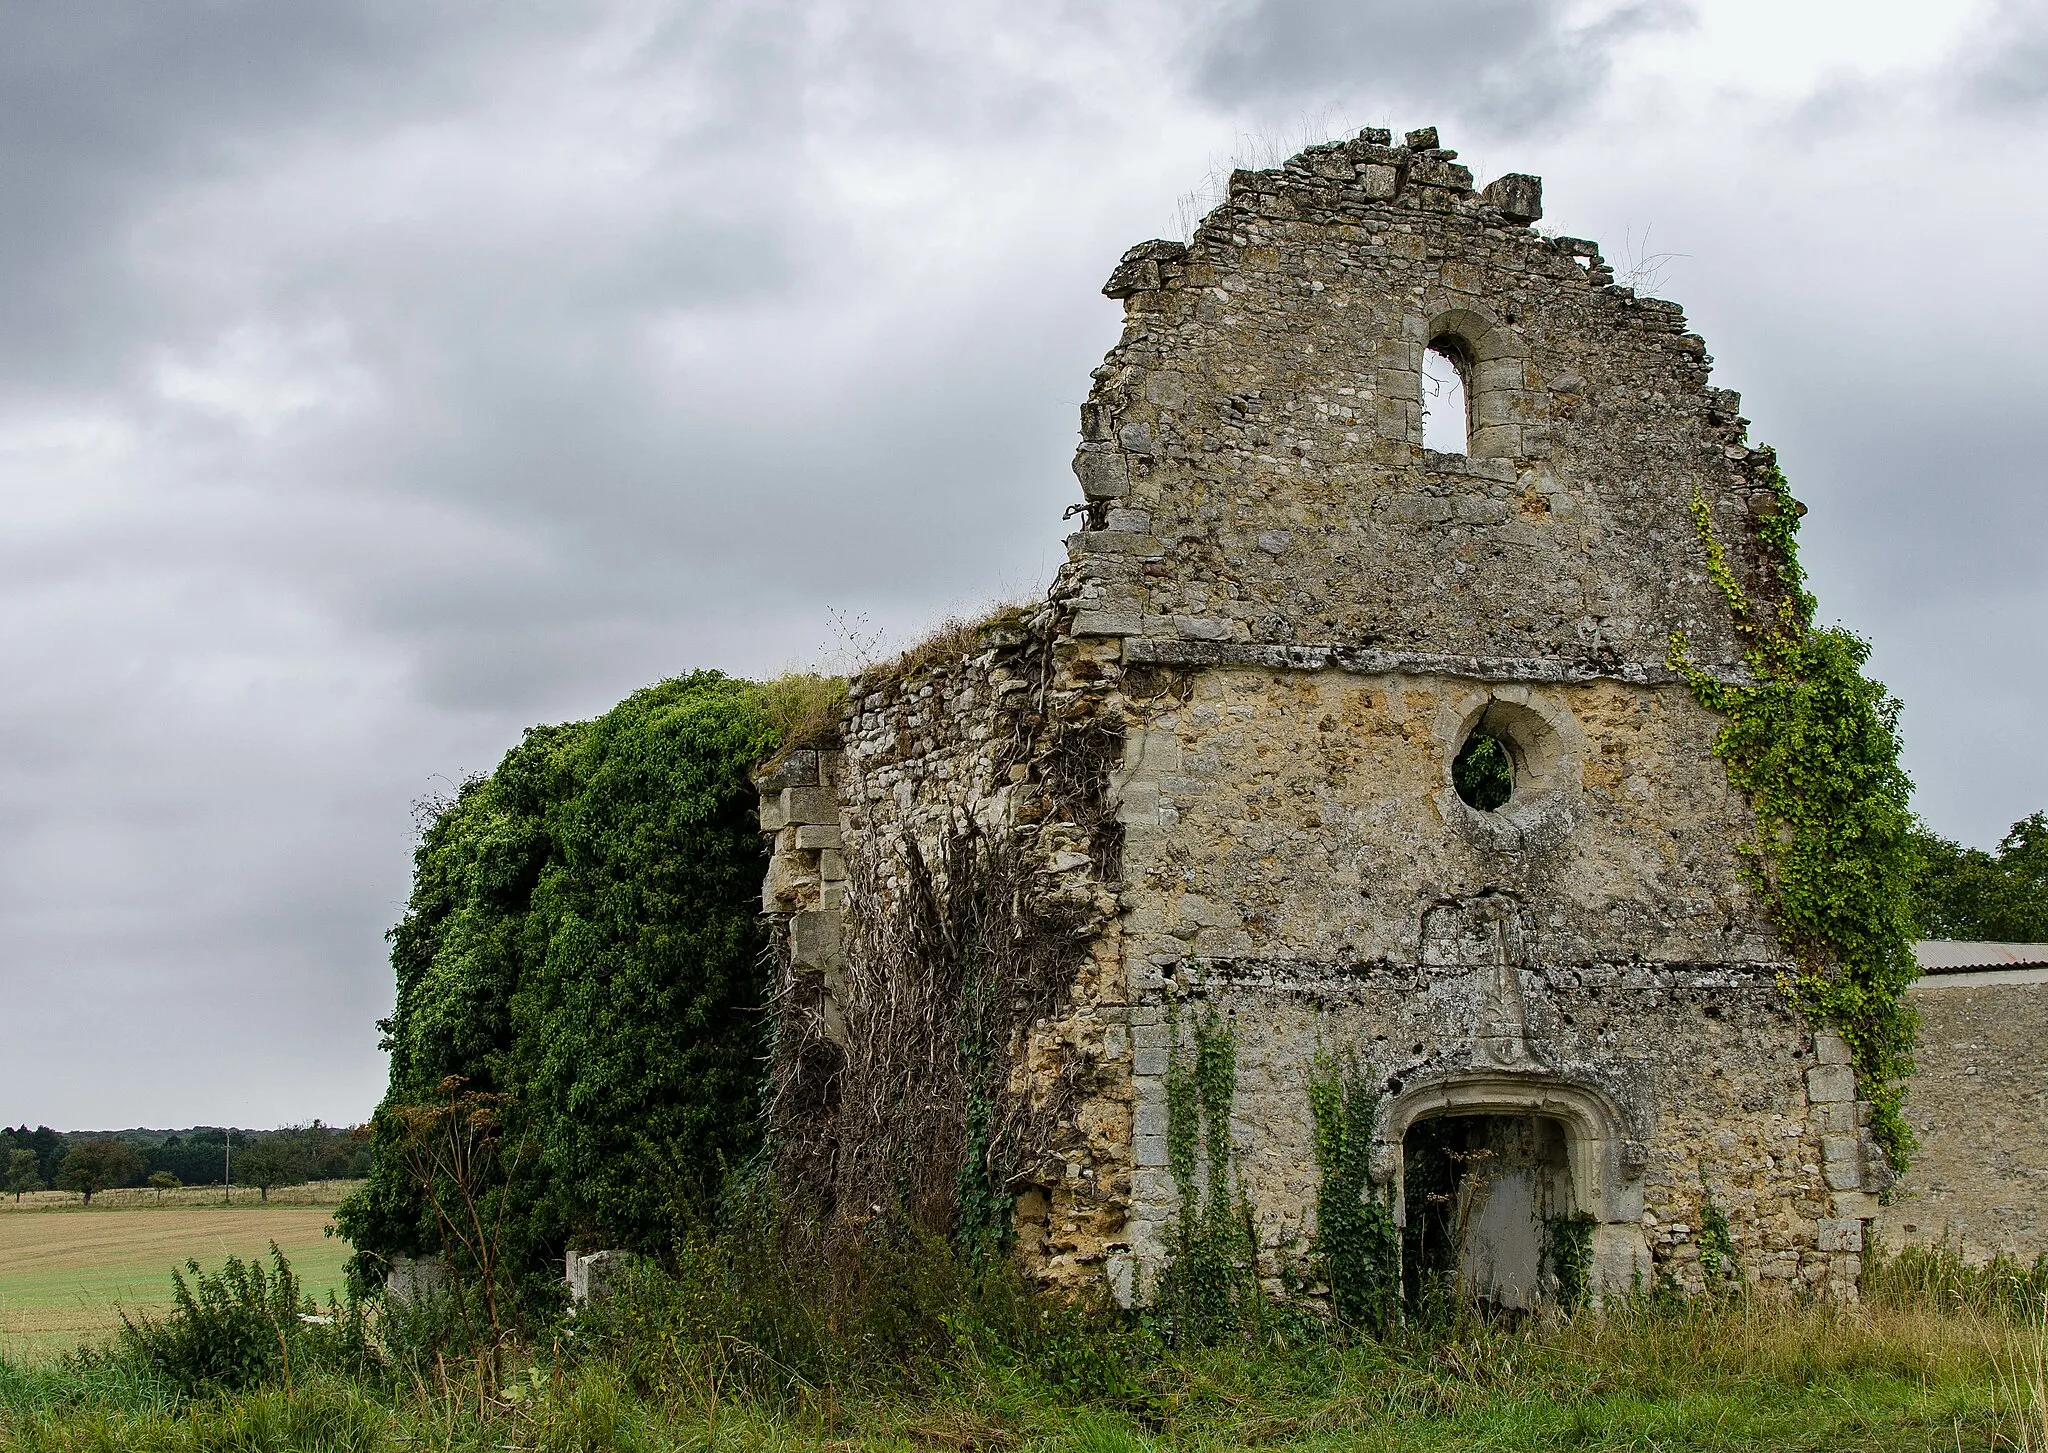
(1367, 661)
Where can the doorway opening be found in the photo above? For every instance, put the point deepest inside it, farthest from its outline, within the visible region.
(1483, 1197)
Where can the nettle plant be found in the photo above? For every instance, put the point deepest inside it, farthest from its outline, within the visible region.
(1814, 743)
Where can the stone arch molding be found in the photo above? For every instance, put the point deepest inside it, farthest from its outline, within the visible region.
(1498, 397)
(1606, 1162)
(1550, 761)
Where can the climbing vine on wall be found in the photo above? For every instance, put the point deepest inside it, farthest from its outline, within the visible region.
(1209, 1290)
(1815, 745)
(1358, 1251)
(1568, 1248)
(1719, 1265)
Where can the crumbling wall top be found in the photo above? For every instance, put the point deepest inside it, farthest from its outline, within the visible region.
(1252, 461)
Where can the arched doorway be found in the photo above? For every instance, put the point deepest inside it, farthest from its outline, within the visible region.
(1499, 1176)
(1485, 1197)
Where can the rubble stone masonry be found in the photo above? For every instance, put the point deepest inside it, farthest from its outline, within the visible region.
(1286, 618)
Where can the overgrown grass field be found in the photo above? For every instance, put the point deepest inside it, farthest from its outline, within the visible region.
(64, 1271)
(916, 1351)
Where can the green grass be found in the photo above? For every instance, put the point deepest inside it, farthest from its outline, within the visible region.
(1942, 1355)
(64, 1273)
(1734, 1378)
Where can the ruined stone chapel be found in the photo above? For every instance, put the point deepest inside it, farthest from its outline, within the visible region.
(1369, 749)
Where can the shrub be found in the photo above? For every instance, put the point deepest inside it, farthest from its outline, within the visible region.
(583, 939)
(241, 1328)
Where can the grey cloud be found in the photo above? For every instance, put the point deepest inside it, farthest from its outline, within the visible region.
(2004, 67)
(375, 385)
(375, 381)
(1504, 64)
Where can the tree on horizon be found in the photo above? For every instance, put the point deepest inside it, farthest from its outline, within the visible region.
(23, 1173)
(97, 1165)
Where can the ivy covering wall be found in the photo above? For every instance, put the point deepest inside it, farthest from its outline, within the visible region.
(583, 938)
(1815, 745)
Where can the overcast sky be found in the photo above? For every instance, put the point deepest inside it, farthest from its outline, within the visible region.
(379, 378)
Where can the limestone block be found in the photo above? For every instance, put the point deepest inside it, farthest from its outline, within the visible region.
(814, 941)
(1497, 441)
(1138, 271)
(1831, 1048)
(1152, 1187)
(1841, 1233)
(831, 868)
(411, 1277)
(772, 819)
(1151, 753)
(589, 1273)
(1836, 1118)
(783, 887)
(814, 837)
(794, 769)
(809, 805)
(1121, 1269)
(1621, 1260)
(1112, 620)
(1421, 509)
(1166, 388)
(1831, 1084)
(1841, 1162)
(1518, 195)
(1495, 374)
(1102, 472)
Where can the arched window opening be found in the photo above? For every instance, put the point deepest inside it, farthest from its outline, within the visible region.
(1446, 411)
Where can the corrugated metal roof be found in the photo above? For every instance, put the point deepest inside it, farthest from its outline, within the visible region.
(1951, 956)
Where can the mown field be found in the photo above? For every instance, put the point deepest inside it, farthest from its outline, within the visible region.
(312, 1193)
(66, 1269)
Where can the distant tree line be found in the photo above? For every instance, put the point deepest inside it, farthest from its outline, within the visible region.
(1995, 897)
(90, 1161)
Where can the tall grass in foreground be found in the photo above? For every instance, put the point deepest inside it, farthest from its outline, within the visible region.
(760, 1342)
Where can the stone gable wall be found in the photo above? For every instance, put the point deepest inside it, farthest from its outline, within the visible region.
(1252, 447)
(1286, 615)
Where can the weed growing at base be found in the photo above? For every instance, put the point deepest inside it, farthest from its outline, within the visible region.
(779, 1336)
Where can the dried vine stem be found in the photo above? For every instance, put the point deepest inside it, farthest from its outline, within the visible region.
(913, 1110)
